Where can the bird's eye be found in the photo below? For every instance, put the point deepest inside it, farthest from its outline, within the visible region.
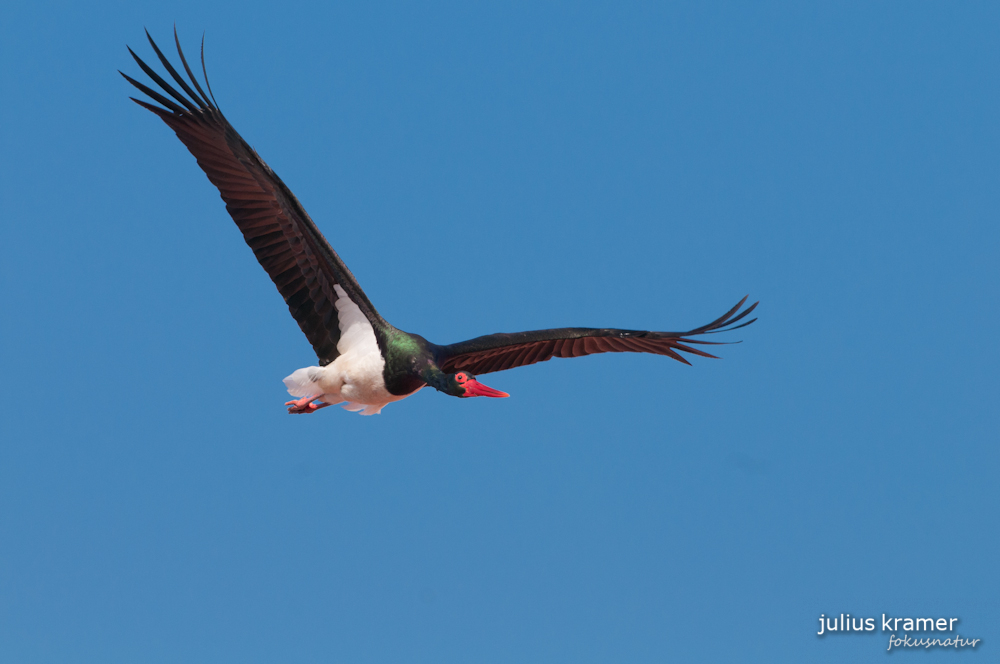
(460, 377)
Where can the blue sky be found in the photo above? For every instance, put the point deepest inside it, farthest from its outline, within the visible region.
(500, 168)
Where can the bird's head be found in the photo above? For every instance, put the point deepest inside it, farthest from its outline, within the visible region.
(463, 384)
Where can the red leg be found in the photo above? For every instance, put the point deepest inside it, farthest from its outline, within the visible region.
(305, 406)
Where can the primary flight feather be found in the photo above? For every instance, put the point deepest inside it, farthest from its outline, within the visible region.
(364, 362)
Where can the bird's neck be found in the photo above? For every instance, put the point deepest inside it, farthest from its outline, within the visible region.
(437, 379)
(409, 362)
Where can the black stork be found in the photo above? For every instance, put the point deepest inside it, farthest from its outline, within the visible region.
(364, 362)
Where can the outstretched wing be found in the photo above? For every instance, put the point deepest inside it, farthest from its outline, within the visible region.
(497, 352)
(285, 240)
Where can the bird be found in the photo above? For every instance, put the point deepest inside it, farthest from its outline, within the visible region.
(364, 363)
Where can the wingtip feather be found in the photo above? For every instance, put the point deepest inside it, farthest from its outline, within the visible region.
(187, 68)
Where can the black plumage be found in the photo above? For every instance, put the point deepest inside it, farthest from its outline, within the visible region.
(283, 237)
(498, 352)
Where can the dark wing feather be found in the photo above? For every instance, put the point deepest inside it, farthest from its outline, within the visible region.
(285, 240)
(498, 352)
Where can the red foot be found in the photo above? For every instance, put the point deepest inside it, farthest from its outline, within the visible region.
(305, 405)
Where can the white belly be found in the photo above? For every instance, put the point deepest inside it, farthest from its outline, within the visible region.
(354, 379)
(355, 376)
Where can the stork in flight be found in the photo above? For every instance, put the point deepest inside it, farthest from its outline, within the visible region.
(364, 362)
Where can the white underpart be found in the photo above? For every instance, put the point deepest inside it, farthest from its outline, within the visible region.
(356, 375)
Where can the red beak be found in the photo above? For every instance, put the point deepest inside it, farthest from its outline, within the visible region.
(474, 388)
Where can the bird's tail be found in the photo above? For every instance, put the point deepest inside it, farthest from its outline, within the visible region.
(303, 383)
